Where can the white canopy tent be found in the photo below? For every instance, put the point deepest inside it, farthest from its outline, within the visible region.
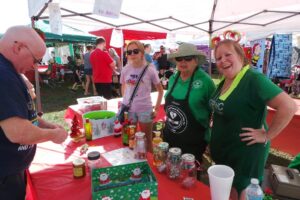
(255, 19)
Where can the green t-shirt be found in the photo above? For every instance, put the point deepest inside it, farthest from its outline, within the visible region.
(243, 105)
(201, 91)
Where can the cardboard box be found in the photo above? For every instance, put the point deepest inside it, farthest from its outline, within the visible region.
(127, 182)
(102, 122)
(285, 181)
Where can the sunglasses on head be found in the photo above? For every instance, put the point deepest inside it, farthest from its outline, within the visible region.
(134, 51)
(186, 58)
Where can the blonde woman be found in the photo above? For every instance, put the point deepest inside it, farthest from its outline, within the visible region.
(141, 110)
(240, 137)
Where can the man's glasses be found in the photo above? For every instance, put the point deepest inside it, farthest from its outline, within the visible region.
(186, 58)
(35, 61)
(134, 51)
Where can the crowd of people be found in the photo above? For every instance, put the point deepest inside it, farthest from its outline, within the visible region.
(228, 119)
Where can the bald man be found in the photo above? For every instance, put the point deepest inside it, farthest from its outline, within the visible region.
(21, 48)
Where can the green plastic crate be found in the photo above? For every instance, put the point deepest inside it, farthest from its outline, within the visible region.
(122, 184)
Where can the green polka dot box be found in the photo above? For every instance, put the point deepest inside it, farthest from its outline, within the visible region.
(133, 181)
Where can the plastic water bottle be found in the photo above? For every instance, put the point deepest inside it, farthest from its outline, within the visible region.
(254, 191)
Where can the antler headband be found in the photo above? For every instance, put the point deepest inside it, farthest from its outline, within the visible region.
(227, 35)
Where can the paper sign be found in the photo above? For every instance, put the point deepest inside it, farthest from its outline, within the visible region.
(109, 8)
(120, 156)
(55, 18)
(117, 38)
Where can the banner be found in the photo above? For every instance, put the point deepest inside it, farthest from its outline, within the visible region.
(109, 8)
(280, 56)
(55, 18)
(258, 52)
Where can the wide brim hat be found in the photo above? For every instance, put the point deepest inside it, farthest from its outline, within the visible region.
(187, 49)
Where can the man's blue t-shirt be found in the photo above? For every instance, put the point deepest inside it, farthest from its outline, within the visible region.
(15, 101)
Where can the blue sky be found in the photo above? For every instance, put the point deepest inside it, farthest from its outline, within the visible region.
(13, 12)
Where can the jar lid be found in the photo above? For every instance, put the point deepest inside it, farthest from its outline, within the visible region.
(94, 155)
(163, 145)
(78, 161)
(175, 151)
(187, 157)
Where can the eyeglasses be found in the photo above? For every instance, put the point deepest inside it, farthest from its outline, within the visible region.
(35, 61)
(134, 51)
(186, 58)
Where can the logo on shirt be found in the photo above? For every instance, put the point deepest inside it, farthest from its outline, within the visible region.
(176, 119)
(25, 147)
(217, 106)
(197, 84)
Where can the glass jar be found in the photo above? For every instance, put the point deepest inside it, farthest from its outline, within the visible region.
(79, 168)
(140, 146)
(93, 160)
(160, 157)
(188, 170)
(174, 163)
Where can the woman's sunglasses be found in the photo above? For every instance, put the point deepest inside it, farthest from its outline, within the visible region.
(186, 58)
(134, 51)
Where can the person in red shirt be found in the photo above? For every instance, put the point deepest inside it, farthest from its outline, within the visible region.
(103, 68)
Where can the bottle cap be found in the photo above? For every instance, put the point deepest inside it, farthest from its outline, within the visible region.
(94, 155)
(254, 181)
(139, 134)
(87, 120)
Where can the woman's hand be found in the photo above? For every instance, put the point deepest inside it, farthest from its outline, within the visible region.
(254, 136)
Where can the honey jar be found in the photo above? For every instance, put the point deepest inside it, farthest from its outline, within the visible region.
(79, 168)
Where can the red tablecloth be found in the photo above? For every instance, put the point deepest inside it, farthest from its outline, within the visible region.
(30, 74)
(52, 177)
(287, 141)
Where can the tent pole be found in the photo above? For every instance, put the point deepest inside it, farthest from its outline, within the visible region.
(209, 47)
(37, 83)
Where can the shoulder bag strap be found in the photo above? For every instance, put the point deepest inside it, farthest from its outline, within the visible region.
(137, 86)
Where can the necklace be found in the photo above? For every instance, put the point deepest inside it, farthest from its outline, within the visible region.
(214, 100)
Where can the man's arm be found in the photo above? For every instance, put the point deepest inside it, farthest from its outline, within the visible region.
(22, 131)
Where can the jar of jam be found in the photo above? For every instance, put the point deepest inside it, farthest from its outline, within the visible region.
(79, 168)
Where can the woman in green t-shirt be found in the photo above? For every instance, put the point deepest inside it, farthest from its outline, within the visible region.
(240, 136)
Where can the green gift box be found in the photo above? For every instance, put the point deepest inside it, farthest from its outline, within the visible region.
(126, 182)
